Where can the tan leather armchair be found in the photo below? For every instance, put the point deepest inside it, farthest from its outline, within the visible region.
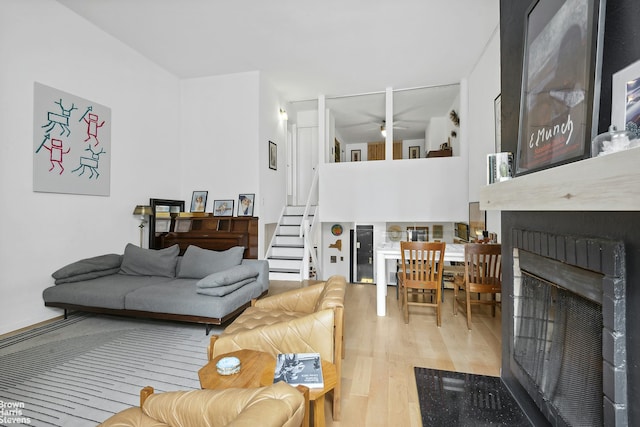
(279, 405)
(309, 319)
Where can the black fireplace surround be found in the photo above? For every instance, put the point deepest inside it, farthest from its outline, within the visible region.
(621, 48)
(568, 341)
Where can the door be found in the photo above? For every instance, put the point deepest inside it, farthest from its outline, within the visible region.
(364, 253)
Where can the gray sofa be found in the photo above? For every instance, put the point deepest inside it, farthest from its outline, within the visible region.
(202, 286)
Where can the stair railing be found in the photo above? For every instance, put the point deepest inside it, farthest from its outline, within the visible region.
(275, 232)
(307, 231)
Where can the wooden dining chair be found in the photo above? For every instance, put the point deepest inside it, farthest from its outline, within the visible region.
(482, 275)
(421, 276)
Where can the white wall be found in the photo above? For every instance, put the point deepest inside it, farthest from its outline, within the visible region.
(438, 132)
(394, 190)
(218, 137)
(484, 86)
(40, 40)
(272, 184)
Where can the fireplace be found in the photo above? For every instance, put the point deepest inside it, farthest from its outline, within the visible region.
(595, 199)
(565, 288)
(568, 336)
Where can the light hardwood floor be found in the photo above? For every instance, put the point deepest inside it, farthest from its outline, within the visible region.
(378, 384)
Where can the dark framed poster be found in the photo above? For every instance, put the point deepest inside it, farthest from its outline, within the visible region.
(560, 83)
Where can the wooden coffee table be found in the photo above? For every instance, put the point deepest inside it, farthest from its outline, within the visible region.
(252, 364)
(316, 395)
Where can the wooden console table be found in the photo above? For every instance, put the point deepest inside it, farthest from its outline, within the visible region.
(447, 152)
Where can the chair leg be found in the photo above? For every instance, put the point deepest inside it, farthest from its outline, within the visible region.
(406, 304)
(455, 297)
(438, 308)
(468, 297)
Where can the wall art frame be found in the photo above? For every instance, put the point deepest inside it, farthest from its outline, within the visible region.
(199, 201)
(356, 155)
(223, 207)
(560, 91)
(414, 152)
(497, 118)
(245, 204)
(273, 155)
(625, 108)
(71, 143)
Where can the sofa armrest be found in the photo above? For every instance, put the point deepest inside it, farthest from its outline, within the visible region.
(262, 268)
(301, 300)
(312, 333)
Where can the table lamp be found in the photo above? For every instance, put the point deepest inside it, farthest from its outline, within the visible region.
(143, 211)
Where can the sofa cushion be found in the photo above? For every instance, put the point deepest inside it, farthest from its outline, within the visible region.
(179, 296)
(227, 277)
(150, 262)
(221, 291)
(88, 268)
(104, 292)
(198, 263)
(88, 276)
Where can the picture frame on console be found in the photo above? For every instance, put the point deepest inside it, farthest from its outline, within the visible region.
(223, 208)
(560, 91)
(625, 108)
(199, 201)
(245, 204)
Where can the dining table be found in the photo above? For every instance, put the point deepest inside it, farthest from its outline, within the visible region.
(453, 252)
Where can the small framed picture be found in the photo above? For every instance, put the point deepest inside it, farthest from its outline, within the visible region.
(223, 208)
(438, 231)
(355, 155)
(245, 204)
(625, 108)
(273, 156)
(199, 201)
(414, 152)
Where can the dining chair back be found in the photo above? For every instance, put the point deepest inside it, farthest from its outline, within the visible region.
(483, 275)
(420, 279)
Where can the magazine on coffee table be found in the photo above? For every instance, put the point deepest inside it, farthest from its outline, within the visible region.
(299, 369)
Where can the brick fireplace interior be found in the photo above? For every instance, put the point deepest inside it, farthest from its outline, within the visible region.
(611, 227)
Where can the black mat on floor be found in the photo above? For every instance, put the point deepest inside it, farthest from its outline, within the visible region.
(457, 399)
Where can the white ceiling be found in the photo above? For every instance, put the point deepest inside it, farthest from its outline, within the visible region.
(304, 47)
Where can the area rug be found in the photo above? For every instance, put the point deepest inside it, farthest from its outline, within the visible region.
(458, 399)
(81, 370)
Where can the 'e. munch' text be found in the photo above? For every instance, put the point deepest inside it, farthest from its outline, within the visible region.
(545, 134)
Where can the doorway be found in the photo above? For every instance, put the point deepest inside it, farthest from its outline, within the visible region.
(364, 253)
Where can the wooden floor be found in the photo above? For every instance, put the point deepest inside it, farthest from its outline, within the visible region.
(378, 385)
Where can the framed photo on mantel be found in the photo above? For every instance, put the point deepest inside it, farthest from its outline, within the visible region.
(560, 83)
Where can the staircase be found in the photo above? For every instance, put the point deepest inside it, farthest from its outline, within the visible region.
(286, 253)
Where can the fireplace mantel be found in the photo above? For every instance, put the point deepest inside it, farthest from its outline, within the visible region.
(607, 183)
